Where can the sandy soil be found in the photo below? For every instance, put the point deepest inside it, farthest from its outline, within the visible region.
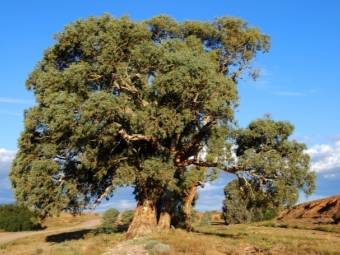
(7, 237)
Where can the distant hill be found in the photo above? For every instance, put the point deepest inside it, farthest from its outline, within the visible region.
(326, 210)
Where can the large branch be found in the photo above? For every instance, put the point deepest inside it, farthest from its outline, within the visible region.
(194, 146)
(130, 88)
(196, 163)
(139, 137)
(105, 194)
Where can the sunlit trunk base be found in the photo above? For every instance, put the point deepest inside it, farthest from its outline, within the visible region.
(187, 206)
(164, 220)
(144, 221)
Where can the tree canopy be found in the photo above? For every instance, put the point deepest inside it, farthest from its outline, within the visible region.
(271, 171)
(121, 102)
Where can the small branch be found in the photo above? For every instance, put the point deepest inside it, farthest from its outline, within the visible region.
(139, 137)
(196, 163)
(105, 194)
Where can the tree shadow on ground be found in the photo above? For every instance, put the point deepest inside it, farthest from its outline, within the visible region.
(62, 237)
(123, 228)
(233, 236)
(218, 223)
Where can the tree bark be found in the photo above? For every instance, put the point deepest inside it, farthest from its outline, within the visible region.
(188, 204)
(145, 219)
(164, 217)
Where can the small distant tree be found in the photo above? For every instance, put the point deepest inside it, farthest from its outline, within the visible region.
(237, 208)
(127, 216)
(194, 215)
(206, 219)
(110, 217)
(108, 226)
(15, 218)
(234, 209)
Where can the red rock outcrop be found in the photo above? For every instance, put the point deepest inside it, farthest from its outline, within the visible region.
(326, 208)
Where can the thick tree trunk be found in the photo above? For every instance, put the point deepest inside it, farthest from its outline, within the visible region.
(188, 204)
(164, 217)
(145, 219)
(164, 221)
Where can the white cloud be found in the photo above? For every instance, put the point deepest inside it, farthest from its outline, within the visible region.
(6, 158)
(127, 204)
(334, 138)
(5, 184)
(325, 158)
(121, 205)
(304, 138)
(11, 112)
(208, 187)
(15, 101)
(329, 176)
(6, 195)
(288, 93)
(209, 202)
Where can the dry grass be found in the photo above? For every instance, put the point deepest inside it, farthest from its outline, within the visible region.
(73, 243)
(68, 220)
(216, 239)
(250, 239)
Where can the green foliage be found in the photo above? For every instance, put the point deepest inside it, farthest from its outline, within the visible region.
(239, 207)
(150, 244)
(278, 168)
(206, 219)
(110, 217)
(122, 103)
(156, 247)
(104, 229)
(275, 169)
(15, 218)
(161, 248)
(194, 215)
(234, 208)
(127, 216)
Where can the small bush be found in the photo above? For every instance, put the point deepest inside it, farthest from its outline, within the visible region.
(127, 216)
(150, 244)
(15, 218)
(110, 217)
(102, 229)
(194, 215)
(206, 218)
(161, 248)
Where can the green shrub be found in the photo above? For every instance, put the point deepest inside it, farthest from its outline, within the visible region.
(127, 216)
(194, 215)
(150, 244)
(161, 248)
(102, 229)
(206, 218)
(110, 217)
(15, 218)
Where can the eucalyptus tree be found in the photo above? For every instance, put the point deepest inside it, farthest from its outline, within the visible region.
(273, 163)
(271, 170)
(121, 102)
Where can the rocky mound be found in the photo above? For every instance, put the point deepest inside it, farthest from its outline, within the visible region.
(326, 209)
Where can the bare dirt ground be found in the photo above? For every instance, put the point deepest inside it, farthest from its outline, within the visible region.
(128, 248)
(7, 237)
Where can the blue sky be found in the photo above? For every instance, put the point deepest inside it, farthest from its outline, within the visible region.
(299, 82)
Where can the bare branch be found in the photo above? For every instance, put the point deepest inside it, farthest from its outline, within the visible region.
(196, 163)
(194, 146)
(139, 137)
(105, 194)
